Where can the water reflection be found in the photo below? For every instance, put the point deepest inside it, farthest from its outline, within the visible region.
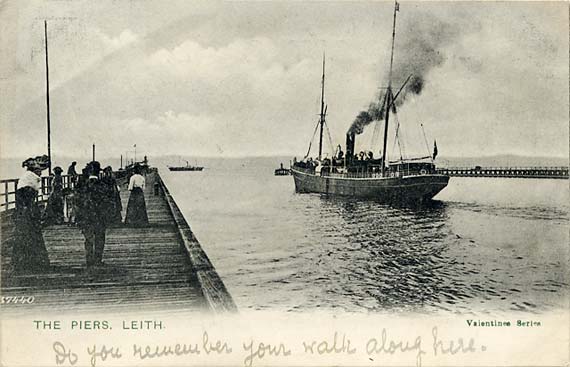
(475, 251)
(386, 257)
(399, 251)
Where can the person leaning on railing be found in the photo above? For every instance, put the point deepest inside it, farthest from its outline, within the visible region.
(29, 251)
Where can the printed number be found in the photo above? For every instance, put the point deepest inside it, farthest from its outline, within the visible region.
(21, 299)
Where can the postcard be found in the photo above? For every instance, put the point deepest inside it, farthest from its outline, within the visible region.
(284, 183)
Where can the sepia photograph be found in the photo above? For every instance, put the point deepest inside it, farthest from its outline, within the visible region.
(318, 182)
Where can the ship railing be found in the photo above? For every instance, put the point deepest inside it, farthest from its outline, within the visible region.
(369, 171)
(378, 174)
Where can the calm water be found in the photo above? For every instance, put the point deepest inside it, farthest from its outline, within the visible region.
(486, 245)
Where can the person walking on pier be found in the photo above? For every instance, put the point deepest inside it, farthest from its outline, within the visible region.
(29, 250)
(93, 217)
(54, 206)
(115, 195)
(136, 208)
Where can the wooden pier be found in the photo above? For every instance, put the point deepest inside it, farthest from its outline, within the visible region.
(160, 267)
(508, 172)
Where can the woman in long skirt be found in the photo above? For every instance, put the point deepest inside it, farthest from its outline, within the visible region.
(29, 251)
(54, 207)
(136, 208)
(114, 195)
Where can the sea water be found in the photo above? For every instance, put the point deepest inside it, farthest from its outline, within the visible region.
(485, 245)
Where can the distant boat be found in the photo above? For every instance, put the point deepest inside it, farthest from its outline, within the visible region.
(405, 180)
(282, 171)
(187, 167)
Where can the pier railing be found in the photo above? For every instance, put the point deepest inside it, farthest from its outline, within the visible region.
(508, 172)
(8, 188)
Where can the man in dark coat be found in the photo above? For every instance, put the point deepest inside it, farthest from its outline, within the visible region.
(93, 217)
(72, 173)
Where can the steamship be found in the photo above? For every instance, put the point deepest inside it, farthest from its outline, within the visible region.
(405, 180)
(187, 167)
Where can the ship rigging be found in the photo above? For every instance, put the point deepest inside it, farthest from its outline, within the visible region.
(413, 179)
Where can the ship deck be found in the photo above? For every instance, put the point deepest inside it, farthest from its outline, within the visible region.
(161, 266)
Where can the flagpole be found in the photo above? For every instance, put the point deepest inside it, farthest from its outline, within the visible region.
(47, 100)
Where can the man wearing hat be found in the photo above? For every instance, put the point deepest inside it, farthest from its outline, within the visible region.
(93, 217)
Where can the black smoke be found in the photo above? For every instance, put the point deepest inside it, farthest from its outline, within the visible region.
(421, 43)
(375, 112)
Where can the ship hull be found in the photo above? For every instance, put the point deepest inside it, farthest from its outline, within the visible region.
(417, 188)
(185, 168)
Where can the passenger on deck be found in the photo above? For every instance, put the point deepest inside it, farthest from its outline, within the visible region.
(115, 195)
(54, 206)
(136, 208)
(29, 250)
(340, 153)
(93, 217)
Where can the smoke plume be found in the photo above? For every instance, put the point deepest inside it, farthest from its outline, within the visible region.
(421, 42)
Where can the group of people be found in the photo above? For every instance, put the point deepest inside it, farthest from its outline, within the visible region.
(93, 203)
(340, 163)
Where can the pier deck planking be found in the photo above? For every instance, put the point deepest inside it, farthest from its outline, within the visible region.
(146, 268)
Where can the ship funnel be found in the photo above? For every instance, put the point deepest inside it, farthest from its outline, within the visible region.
(350, 140)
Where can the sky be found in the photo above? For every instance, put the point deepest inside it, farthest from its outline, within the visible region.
(239, 78)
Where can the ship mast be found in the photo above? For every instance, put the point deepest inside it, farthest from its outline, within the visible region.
(389, 97)
(322, 119)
